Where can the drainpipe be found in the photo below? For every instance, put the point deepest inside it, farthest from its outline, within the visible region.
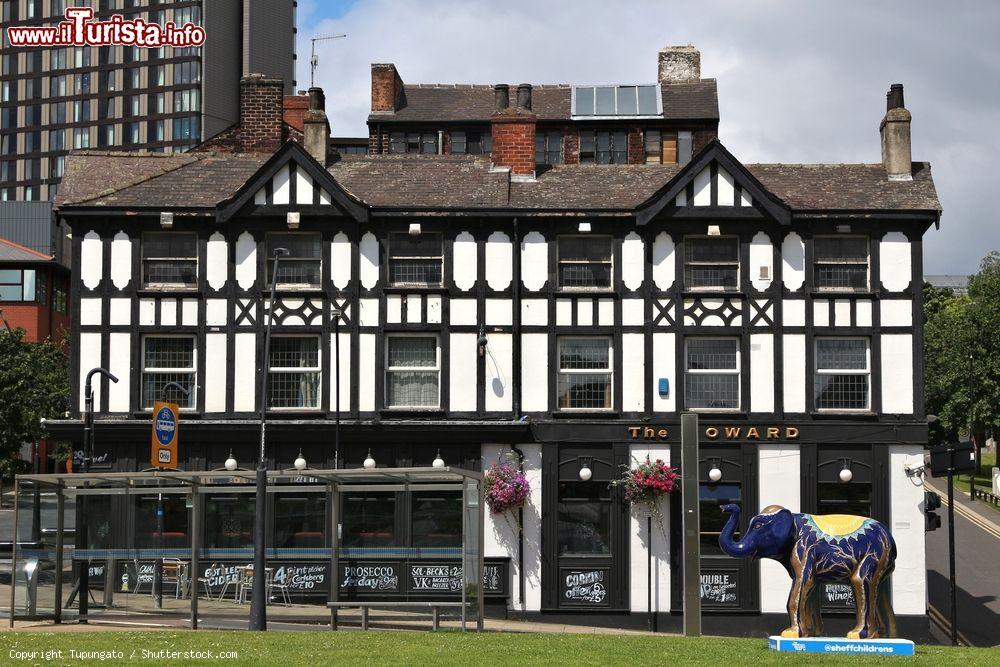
(516, 398)
(520, 535)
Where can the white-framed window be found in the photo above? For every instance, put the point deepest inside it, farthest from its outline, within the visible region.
(168, 359)
(412, 371)
(840, 263)
(303, 266)
(586, 377)
(585, 261)
(416, 260)
(294, 380)
(712, 373)
(712, 263)
(170, 259)
(843, 374)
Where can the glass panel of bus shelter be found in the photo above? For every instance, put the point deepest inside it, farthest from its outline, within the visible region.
(472, 565)
(35, 570)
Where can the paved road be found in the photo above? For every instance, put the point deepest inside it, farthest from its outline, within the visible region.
(977, 576)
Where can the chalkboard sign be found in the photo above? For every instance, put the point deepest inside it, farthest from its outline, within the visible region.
(368, 578)
(838, 595)
(435, 578)
(720, 588)
(584, 587)
(303, 579)
(495, 577)
(130, 579)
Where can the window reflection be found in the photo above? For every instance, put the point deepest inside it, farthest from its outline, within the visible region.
(369, 519)
(299, 521)
(229, 521)
(711, 496)
(437, 519)
(584, 518)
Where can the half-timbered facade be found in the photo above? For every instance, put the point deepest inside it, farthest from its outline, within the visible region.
(471, 310)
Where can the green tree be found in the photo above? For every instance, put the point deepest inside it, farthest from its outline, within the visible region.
(961, 348)
(34, 383)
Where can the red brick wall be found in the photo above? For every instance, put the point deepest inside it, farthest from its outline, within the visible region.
(39, 321)
(514, 142)
(386, 86)
(571, 146)
(261, 102)
(701, 139)
(636, 151)
(295, 107)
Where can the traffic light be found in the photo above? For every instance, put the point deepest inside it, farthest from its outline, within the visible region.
(932, 502)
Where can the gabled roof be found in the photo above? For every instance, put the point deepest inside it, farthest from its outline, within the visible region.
(474, 102)
(13, 252)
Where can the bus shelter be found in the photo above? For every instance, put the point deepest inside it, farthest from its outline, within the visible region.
(330, 546)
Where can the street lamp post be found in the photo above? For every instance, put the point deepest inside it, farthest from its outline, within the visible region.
(158, 568)
(83, 589)
(258, 592)
(336, 388)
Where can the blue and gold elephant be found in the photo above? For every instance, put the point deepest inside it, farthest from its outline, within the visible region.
(817, 548)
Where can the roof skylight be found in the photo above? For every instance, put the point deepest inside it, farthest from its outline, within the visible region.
(617, 101)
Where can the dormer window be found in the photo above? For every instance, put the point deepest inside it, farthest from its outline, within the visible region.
(170, 259)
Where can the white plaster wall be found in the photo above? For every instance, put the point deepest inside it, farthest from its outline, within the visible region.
(121, 260)
(215, 372)
(896, 312)
(605, 312)
(534, 261)
(633, 312)
(462, 372)
(189, 312)
(216, 260)
(168, 312)
(120, 313)
(368, 312)
(303, 187)
(632, 264)
(821, 313)
(663, 260)
(909, 580)
(780, 482)
(793, 359)
(340, 260)
(464, 264)
(761, 255)
(499, 261)
(90, 357)
(393, 309)
(147, 312)
(703, 187)
(762, 372)
(793, 312)
(324, 197)
(585, 312)
(863, 313)
(534, 372)
(433, 309)
(664, 365)
(642, 539)
(281, 186)
(633, 372)
(499, 312)
(727, 189)
(91, 259)
(345, 371)
(534, 312)
(260, 197)
(793, 261)
(463, 312)
(90, 312)
(894, 261)
(745, 198)
(499, 372)
(244, 371)
(500, 530)
(564, 312)
(841, 313)
(413, 309)
(897, 374)
(120, 364)
(369, 260)
(366, 372)
(246, 260)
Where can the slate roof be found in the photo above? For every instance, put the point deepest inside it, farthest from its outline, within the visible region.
(421, 182)
(12, 252)
(474, 102)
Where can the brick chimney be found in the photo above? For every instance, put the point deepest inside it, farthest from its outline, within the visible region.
(261, 111)
(680, 64)
(895, 132)
(387, 88)
(316, 132)
(514, 131)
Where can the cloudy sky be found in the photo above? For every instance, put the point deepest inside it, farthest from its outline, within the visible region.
(799, 81)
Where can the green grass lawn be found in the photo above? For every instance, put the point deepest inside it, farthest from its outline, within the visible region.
(318, 649)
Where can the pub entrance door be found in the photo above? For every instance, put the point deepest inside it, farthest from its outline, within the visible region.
(584, 537)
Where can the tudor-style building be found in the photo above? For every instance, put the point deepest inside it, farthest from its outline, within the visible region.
(568, 315)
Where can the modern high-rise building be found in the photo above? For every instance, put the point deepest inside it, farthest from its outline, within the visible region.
(55, 99)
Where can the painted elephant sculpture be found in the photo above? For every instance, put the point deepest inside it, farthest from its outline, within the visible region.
(816, 548)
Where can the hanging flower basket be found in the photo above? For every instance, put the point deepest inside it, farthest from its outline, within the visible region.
(506, 487)
(647, 483)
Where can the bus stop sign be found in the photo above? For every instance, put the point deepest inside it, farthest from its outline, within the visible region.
(166, 422)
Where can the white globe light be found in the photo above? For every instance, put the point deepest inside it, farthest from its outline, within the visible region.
(438, 462)
(846, 475)
(714, 474)
(230, 463)
(300, 462)
(369, 462)
(586, 473)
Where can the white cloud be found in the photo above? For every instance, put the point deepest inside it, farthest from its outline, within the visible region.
(798, 82)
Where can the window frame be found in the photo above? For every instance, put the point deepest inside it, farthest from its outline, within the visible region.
(584, 288)
(393, 257)
(172, 286)
(591, 156)
(543, 141)
(288, 370)
(409, 369)
(867, 372)
(711, 288)
(867, 263)
(737, 371)
(560, 371)
(269, 260)
(21, 282)
(144, 370)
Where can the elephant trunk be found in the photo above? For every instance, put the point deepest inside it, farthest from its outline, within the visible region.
(735, 549)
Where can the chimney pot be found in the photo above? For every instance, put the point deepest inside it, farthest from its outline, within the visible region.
(316, 127)
(894, 98)
(501, 97)
(317, 100)
(680, 64)
(524, 96)
(895, 134)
